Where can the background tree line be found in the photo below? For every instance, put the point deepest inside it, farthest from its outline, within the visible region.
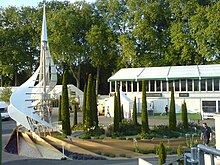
(107, 35)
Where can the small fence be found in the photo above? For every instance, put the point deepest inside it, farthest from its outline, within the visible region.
(199, 156)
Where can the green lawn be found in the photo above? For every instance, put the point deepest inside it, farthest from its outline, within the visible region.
(191, 116)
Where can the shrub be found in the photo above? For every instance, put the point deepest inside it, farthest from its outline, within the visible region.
(162, 154)
(172, 114)
(85, 136)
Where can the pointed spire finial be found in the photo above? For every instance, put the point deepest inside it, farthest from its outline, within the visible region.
(44, 26)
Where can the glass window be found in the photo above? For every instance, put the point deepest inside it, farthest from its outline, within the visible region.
(183, 85)
(216, 84)
(134, 86)
(170, 84)
(196, 85)
(209, 106)
(189, 83)
(209, 85)
(147, 86)
(129, 86)
(218, 106)
(158, 86)
(140, 86)
(113, 86)
(152, 85)
(177, 85)
(203, 85)
(164, 85)
(124, 86)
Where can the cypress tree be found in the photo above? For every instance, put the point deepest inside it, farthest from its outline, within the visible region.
(65, 106)
(162, 154)
(116, 117)
(59, 110)
(119, 104)
(134, 114)
(75, 113)
(172, 114)
(122, 112)
(184, 115)
(95, 113)
(89, 112)
(84, 105)
(144, 115)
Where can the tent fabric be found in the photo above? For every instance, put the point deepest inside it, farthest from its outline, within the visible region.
(167, 72)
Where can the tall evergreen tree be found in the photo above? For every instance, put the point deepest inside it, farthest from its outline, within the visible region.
(116, 115)
(172, 114)
(75, 114)
(84, 104)
(95, 113)
(184, 115)
(134, 114)
(89, 108)
(65, 106)
(144, 115)
(59, 110)
(119, 104)
(122, 112)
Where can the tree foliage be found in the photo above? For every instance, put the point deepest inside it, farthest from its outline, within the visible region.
(6, 94)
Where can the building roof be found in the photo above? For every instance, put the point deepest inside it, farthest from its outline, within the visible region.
(167, 73)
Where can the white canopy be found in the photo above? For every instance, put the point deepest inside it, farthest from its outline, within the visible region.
(167, 72)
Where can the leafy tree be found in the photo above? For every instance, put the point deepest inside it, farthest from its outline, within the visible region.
(172, 114)
(144, 114)
(134, 114)
(60, 110)
(162, 154)
(102, 46)
(65, 106)
(184, 115)
(116, 115)
(75, 114)
(6, 94)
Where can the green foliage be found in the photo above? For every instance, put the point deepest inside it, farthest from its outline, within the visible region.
(6, 94)
(122, 112)
(162, 154)
(65, 106)
(134, 114)
(116, 115)
(144, 115)
(108, 154)
(85, 136)
(184, 115)
(59, 109)
(179, 150)
(172, 114)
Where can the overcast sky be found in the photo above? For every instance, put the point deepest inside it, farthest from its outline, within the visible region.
(6, 3)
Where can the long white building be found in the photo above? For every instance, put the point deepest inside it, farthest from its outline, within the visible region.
(198, 85)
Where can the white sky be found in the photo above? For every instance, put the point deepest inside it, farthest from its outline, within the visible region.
(6, 3)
